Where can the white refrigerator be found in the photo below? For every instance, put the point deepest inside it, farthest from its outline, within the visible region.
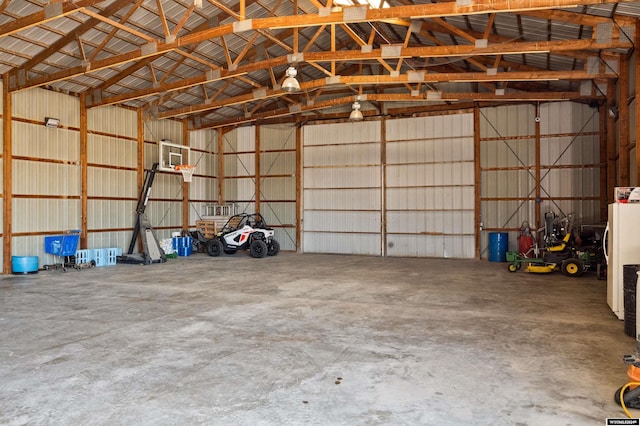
(622, 247)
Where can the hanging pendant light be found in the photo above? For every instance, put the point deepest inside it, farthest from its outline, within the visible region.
(356, 114)
(290, 83)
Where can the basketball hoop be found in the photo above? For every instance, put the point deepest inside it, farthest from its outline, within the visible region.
(187, 171)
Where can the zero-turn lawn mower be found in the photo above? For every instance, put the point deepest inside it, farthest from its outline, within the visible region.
(572, 253)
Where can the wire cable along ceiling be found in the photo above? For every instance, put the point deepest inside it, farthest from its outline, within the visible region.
(225, 63)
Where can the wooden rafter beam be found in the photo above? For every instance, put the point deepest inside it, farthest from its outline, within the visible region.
(65, 40)
(386, 79)
(429, 10)
(484, 97)
(49, 12)
(376, 54)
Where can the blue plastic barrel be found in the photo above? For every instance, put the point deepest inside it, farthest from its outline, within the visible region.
(498, 246)
(24, 265)
(183, 245)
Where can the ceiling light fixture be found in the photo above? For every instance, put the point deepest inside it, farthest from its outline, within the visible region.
(290, 83)
(52, 123)
(197, 3)
(356, 114)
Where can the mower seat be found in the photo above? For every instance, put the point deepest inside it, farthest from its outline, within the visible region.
(562, 245)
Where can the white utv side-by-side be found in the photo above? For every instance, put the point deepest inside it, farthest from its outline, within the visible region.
(244, 231)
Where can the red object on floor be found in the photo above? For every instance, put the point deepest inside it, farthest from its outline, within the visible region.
(525, 242)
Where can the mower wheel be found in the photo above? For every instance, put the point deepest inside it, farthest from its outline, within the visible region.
(214, 248)
(258, 248)
(631, 397)
(512, 267)
(572, 267)
(273, 248)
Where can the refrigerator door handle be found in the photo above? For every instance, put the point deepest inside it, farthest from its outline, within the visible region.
(605, 243)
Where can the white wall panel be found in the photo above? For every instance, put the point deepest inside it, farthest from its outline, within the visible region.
(37, 178)
(278, 188)
(36, 104)
(353, 177)
(113, 120)
(115, 239)
(246, 139)
(31, 140)
(342, 133)
(156, 130)
(345, 199)
(342, 155)
(111, 183)
(111, 214)
(112, 151)
(41, 215)
(274, 138)
(342, 194)
(364, 244)
(430, 186)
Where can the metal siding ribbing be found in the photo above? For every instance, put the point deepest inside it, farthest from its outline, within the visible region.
(507, 141)
(36, 178)
(36, 104)
(115, 183)
(342, 195)
(32, 140)
(111, 214)
(113, 120)
(112, 151)
(578, 152)
(278, 181)
(40, 215)
(275, 138)
(430, 186)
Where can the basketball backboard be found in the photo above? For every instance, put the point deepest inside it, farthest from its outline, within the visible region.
(172, 155)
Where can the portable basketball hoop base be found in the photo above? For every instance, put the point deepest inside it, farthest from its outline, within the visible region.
(187, 171)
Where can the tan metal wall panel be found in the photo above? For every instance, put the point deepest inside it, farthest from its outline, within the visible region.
(45, 215)
(111, 214)
(113, 120)
(33, 140)
(36, 104)
(52, 179)
(278, 188)
(430, 186)
(273, 138)
(113, 183)
(342, 194)
(112, 151)
(115, 239)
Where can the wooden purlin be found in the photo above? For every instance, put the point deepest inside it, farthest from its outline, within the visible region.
(421, 11)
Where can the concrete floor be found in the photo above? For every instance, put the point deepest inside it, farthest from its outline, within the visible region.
(308, 340)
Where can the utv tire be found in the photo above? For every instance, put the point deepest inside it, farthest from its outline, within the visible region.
(572, 267)
(214, 248)
(273, 248)
(258, 248)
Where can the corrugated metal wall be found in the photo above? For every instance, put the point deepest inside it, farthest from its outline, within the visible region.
(46, 170)
(164, 209)
(430, 187)
(278, 181)
(342, 188)
(569, 166)
(112, 189)
(203, 189)
(239, 168)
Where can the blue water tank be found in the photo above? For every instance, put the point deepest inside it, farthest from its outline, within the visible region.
(24, 265)
(498, 246)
